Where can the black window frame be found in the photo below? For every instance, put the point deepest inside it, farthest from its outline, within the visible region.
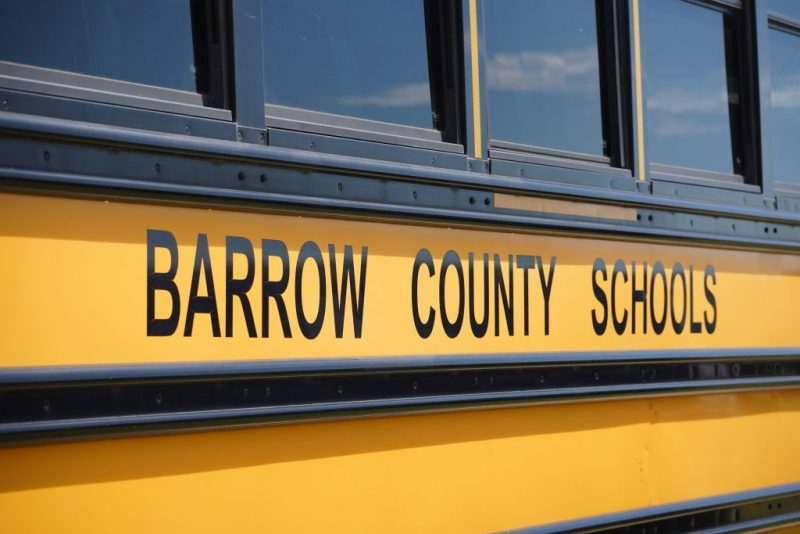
(444, 35)
(616, 79)
(783, 23)
(748, 120)
(217, 105)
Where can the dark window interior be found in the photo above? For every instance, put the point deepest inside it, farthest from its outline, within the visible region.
(154, 42)
(694, 90)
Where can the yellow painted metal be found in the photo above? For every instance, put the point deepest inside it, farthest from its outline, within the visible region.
(477, 132)
(637, 61)
(564, 207)
(74, 288)
(459, 472)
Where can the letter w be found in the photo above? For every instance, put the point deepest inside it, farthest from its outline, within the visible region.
(340, 298)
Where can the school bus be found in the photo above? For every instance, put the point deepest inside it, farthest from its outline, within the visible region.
(426, 266)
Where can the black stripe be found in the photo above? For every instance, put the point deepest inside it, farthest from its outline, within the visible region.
(739, 512)
(70, 402)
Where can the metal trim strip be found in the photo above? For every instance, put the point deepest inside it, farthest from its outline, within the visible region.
(647, 518)
(228, 149)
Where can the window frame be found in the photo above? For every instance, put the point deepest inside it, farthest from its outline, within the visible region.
(445, 63)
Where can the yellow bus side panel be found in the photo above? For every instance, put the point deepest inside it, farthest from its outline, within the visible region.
(74, 283)
(458, 472)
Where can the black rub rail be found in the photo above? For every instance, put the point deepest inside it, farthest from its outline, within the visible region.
(58, 403)
(749, 511)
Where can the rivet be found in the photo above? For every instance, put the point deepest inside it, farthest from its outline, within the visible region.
(486, 201)
(5, 105)
(415, 385)
(262, 137)
(240, 135)
(597, 377)
(159, 398)
(469, 165)
(340, 389)
(650, 218)
(157, 167)
(46, 405)
(46, 155)
(486, 165)
(339, 186)
(242, 176)
(267, 391)
(522, 172)
(245, 393)
(312, 146)
(472, 200)
(433, 160)
(475, 381)
(414, 194)
(187, 130)
(263, 178)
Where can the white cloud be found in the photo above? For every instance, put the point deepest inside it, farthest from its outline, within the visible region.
(787, 97)
(401, 96)
(682, 102)
(572, 70)
(671, 126)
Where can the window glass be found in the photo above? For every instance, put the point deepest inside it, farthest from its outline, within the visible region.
(361, 58)
(785, 101)
(789, 8)
(543, 74)
(154, 42)
(692, 86)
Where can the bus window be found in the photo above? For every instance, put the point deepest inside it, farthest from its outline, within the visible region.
(367, 65)
(543, 75)
(373, 65)
(163, 55)
(784, 46)
(150, 42)
(694, 89)
(555, 81)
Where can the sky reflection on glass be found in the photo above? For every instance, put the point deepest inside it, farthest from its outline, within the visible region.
(543, 75)
(688, 118)
(142, 41)
(362, 58)
(789, 8)
(785, 102)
